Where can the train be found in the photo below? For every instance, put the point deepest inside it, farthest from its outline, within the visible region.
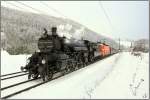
(60, 54)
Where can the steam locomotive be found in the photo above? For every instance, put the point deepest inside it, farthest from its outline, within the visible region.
(59, 54)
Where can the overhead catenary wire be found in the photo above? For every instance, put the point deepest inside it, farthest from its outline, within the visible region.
(25, 5)
(58, 12)
(20, 3)
(46, 6)
(55, 10)
(108, 18)
(105, 13)
(7, 2)
(37, 10)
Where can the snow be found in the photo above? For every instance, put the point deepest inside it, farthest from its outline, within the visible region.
(12, 63)
(8, 82)
(112, 78)
(18, 88)
(127, 74)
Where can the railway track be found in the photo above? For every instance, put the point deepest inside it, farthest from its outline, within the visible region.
(13, 76)
(32, 86)
(12, 73)
(12, 87)
(6, 87)
(28, 88)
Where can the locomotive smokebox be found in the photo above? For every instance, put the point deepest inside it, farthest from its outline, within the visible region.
(54, 31)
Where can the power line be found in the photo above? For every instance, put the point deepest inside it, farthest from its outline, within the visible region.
(106, 14)
(30, 7)
(108, 18)
(53, 9)
(39, 10)
(12, 4)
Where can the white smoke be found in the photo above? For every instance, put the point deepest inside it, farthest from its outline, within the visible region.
(61, 27)
(68, 27)
(79, 33)
(63, 30)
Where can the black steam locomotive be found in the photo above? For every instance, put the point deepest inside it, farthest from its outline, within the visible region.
(59, 54)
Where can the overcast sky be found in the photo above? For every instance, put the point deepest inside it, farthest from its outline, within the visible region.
(124, 19)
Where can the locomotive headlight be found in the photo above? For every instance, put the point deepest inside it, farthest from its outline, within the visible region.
(43, 61)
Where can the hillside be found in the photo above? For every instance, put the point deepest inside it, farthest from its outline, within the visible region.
(21, 30)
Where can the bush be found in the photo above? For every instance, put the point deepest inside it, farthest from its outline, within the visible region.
(18, 50)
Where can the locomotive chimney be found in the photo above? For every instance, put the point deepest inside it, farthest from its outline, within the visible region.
(54, 31)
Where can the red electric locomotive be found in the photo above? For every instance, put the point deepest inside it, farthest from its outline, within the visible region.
(104, 49)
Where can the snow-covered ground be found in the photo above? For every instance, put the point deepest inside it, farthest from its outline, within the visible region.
(121, 76)
(129, 79)
(12, 63)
